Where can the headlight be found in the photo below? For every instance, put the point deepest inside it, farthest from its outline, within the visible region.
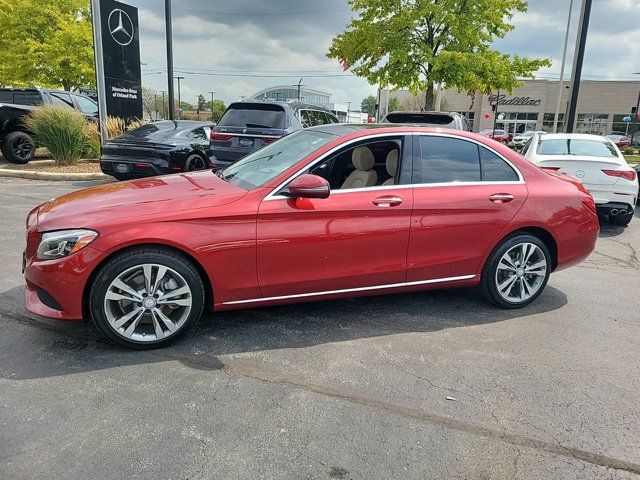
(64, 242)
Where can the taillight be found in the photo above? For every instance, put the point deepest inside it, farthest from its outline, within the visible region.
(551, 169)
(626, 174)
(270, 139)
(223, 137)
(588, 201)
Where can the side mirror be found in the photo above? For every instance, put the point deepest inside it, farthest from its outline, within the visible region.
(309, 186)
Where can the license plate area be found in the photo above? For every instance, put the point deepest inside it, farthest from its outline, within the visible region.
(122, 167)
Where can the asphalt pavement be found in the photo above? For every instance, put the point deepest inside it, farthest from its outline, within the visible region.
(413, 386)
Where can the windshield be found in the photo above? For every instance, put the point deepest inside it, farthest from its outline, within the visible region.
(576, 146)
(265, 164)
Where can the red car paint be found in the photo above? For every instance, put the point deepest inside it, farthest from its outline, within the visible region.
(253, 251)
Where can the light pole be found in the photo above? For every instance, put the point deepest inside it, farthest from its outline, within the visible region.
(164, 106)
(179, 78)
(300, 85)
(169, 35)
(564, 59)
(635, 116)
(577, 64)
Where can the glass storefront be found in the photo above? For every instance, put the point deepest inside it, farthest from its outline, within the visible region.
(619, 125)
(547, 122)
(594, 123)
(286, 94)
(518, 122)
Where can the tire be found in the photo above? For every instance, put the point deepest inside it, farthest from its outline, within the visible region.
(18, 147)
(144, 314)
(621, 219)
(521, 287)
(195, 162)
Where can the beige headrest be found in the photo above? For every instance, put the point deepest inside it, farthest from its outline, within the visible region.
(363, 158)
(392, 162)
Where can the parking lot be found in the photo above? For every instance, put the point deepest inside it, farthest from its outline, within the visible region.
(426, 385)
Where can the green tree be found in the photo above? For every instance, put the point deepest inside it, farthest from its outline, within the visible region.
(415, 44)
(368, 105)
(47, 44)
(202, 103)
(217, 111)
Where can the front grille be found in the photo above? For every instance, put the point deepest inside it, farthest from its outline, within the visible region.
(47, 299)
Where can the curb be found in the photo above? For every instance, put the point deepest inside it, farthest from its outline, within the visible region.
(31, 175)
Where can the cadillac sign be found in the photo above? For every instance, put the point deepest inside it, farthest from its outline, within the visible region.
(520, 101)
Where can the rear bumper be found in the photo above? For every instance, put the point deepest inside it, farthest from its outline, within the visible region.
(576, 243)
(138, 168)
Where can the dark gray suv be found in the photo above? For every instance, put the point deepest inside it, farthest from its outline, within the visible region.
(453, 120)
(249, 125)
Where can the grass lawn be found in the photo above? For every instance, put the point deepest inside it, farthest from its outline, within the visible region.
(632, 158)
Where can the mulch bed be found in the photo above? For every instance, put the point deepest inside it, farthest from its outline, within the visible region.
(83, 166)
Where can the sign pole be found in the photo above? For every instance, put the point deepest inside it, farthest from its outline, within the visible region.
(169, 35)
(577, 65)
(99, 61)
(564, 61)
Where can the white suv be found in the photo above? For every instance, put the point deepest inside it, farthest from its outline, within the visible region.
(597, 162)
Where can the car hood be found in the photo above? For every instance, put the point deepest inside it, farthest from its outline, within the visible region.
(128, 201)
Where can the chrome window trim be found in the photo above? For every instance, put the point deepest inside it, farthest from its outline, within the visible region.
(351, 290)
(273, 195)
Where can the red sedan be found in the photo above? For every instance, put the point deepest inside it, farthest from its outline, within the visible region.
(497, 135)
(324, 213)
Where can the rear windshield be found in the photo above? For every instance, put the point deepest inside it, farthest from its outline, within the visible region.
(430, 118)
(21, 98)
(576, 146)
(253, 116)
(155, 131)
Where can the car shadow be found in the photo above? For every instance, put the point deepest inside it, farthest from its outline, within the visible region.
(71, 347)
(608, 230)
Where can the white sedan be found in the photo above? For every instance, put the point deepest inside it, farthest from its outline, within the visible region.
(597, 162)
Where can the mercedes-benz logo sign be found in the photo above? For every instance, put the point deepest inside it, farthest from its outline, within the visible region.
(580, 174)
(121, 27)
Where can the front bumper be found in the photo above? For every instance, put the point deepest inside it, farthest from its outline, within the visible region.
(55, 288)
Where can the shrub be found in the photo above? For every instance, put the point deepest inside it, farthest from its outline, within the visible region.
(133, 124)
(61, 130)
(92, 148)
(628, 151)
(114, 127)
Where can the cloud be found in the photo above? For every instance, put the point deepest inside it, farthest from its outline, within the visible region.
(287, 37)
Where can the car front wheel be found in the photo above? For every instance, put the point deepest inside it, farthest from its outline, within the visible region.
(516, 272)
(146, 298)
(194, 163)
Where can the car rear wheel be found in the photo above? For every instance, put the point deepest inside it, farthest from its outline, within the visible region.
(516, 272)
(18, 147)
(194, 163)
(146, 298)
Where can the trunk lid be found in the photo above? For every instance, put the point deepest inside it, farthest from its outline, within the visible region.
(589, 170)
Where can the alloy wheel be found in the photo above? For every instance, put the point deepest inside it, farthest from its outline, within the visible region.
(148, 302)
(195, 163)
(521, 272)
(22, 148)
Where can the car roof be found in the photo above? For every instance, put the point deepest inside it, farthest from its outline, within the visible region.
(564, 136)
(291, 104)
(364, 129)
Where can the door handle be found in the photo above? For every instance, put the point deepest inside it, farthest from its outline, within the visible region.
(501, 197)
(387, 201)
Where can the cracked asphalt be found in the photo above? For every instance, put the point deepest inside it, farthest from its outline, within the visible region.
(415, 386)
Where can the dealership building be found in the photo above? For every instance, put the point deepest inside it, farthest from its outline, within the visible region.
(602, 106)
(287, 93)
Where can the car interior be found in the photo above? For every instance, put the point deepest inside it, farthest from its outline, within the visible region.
(365, 165)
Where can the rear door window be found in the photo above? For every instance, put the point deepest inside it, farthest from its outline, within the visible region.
(446, 160)
(86, 105)
(253, 116)
(495, 169)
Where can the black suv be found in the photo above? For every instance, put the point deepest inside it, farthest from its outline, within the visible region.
(249, 125)
(16, 142)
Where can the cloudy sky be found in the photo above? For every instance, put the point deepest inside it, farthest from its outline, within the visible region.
(238, 47)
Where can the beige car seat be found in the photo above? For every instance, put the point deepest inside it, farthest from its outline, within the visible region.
(363, 176)
(392, 166)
